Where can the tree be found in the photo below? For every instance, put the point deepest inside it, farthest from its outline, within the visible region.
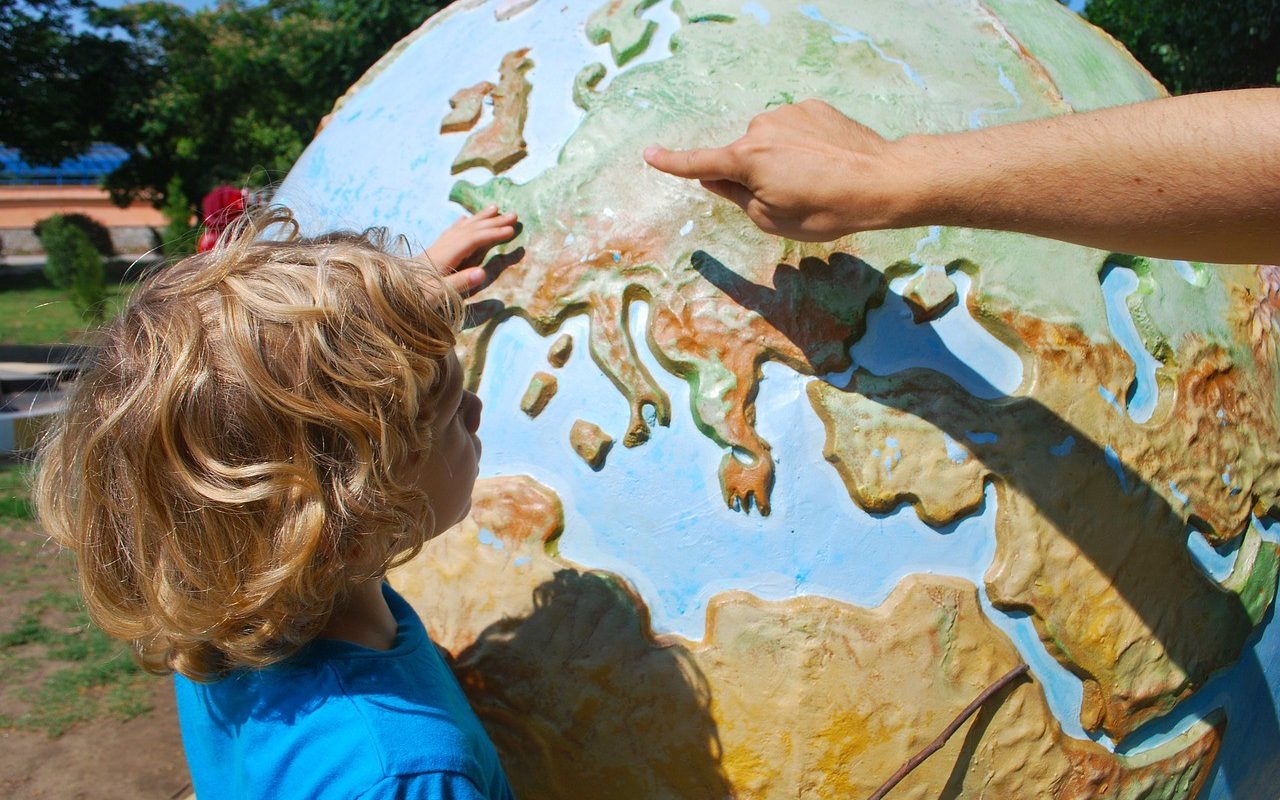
(231, 93)
(63, 85)
(241, 87)
(74, 264)
(1197, 45)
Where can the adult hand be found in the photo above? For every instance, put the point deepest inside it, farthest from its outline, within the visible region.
(461, 249)
(1190, 177)
(802, 171)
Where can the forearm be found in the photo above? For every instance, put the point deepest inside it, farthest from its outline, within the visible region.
(1194, 177)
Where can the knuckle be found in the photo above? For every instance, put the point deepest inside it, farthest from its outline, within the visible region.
(750, 151)
(740, 149)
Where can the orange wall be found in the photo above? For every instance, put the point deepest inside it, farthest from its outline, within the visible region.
(24, 206)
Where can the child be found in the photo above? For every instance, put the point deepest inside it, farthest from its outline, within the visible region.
(268, 427)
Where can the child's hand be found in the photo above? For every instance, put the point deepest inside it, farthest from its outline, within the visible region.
(462, 247)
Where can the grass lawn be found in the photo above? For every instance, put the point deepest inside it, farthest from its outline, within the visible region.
(43, 315)
(33, 312)
(71, 699)
(77, 718)
(56, 667)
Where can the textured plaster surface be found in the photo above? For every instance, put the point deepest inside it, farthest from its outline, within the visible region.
(807, 697)
(500, 144)
(465, 107)
(803, 314)
(1156, 372)
(632, 232)
(590, 443)
(509, 8)
(1115, 595)
(542, 387)
(561, 349)
(930, 295)
(585, 83)
(618, 23)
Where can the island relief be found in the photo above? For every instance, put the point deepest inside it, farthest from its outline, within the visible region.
(1128, 442)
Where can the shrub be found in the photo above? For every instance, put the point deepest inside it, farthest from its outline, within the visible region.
(98, 234)
(179, 238)
(1194, 45)
(72, 263)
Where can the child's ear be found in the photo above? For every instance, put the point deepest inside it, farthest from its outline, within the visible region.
(353, 551)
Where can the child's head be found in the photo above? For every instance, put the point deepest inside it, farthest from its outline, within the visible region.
(264, 426)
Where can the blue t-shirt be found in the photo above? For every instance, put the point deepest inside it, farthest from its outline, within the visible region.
(341, 721)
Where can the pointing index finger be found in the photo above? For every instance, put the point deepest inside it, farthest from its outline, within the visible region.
(713, 164)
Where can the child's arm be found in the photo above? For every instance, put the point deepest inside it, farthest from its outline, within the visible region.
(460, 250)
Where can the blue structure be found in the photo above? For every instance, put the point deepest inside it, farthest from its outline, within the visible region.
(87, 169)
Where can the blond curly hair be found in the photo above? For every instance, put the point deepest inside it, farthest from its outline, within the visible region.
(231, 463)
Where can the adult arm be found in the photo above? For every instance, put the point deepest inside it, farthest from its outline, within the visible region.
(1195, 177)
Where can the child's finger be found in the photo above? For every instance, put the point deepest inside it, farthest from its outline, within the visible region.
(467, 280)
(485, 237)
(492, 236)
(488, 222)
(496, 223)
(486, 213)
(481, 241)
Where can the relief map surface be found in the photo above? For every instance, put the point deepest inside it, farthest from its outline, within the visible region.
(758, 517)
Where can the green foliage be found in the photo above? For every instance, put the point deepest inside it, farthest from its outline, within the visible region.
(238, 89)
(180, 235)
(15, 497)
(63, 245)
(89, 284)
(64, 85)
(73, 264)
(98, 233)
(1194, 45)
(227, 94)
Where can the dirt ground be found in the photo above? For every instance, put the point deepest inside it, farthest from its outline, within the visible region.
(104, 759)
(76, 721)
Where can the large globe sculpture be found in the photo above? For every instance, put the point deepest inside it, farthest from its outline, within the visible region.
(759, 518)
